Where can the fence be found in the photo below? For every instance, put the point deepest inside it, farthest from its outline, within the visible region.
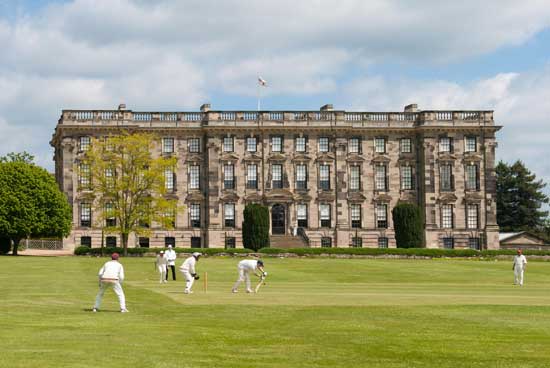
(50, 244)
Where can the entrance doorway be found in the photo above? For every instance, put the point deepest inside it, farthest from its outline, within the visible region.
(278, 219)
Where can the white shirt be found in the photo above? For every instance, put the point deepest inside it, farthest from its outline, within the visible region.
(248, 264)
(171, 256)
(189, 265)
(520, 262)
(112, 270)
(161, 261)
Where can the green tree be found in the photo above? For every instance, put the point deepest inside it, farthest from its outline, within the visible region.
(18, 157)
(126, 185)
(519, 198)
(408, 223)
(31, 203)
(255, 227)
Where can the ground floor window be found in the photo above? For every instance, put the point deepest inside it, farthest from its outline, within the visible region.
(326, 242)
(169, 240)
(110, 241)
(357, 242)
(86, 241)
(448, 243)
(382, 242)
(144, 242)
(229, 242)
(195, 242)
(474, 243)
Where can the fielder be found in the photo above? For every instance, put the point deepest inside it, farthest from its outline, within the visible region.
(171, 259)
(160, 265)
(111, 275)
(520, 263)
(188, 270)
(245, 267)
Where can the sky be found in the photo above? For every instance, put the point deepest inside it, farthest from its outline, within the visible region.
(375, 55)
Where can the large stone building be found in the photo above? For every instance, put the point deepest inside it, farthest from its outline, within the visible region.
(329, 177)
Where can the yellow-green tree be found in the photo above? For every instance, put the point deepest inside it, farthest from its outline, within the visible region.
(126, 183)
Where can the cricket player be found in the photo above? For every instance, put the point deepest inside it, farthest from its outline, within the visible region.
(520, 262)
(171, 262)
(189, 272)
(245, 267)
(111, 275)
(161, 264)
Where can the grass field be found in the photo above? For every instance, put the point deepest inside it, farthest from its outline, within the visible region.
(311, 313)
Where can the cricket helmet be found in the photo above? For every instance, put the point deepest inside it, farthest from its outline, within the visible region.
(115, 256)
(161, 252)
(196, 254)
(260, 262)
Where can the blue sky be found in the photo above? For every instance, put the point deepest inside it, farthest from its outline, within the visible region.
(375, 55)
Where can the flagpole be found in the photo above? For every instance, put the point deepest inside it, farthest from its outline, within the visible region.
(259, 91)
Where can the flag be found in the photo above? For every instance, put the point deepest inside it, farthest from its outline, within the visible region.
(262, 82)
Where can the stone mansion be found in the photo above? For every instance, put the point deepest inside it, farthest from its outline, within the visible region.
(329, 177)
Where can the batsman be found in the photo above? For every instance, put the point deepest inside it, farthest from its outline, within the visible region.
(189, 272)
(246, 267)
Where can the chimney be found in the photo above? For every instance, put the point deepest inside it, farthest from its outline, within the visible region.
(327, 107)
(122, 107)
(205, 107)
(411, 108)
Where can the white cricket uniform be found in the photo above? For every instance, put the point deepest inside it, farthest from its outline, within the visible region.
(188, 270)
(519, 266)
(111, 274)
(171, 257)
(161, 267)
(245, 267)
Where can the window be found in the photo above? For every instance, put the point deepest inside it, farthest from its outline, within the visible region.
(196, 242)
(229, 214)
(230, 242)
(85, 214)
(474, 243)
(170, 217)
(324, 177)
(167, 145)
(228, 176)
(355, 178)
(357, 242)
(301, 176)
(194, 176)
(355, 215)
(324, 209)
(405, 145)
(326, 242)
(276, 144)
(472, 182)
(447, 216)
(169, 180)
(445, 144)
(382, 242)
(354, 145)
(300, 144)
(84, 178)
(252, 176)
(446, 179)
(169, 240)
(251, 144)
(277, 176)
(194, 145)
(381, 215)
(380, 177)
(301, 215)
(228, 144)
(86, 241)
(110, 219)
(323, 144)
(143, 242)
(195, 214)
(380, 145)
(110, 241)
(84, 144)
(472, 216)
(470, 144)
(406, 178)
(110, 177)
(448, 243)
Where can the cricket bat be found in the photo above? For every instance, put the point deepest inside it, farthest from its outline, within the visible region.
(262, 282)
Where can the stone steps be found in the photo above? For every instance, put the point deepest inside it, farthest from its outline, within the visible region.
(286, 241)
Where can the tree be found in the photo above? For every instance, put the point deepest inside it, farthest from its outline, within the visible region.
(18, 157)
(126, 184)
(408, 223)
(31, 203)
(519, 198)
(255, 228)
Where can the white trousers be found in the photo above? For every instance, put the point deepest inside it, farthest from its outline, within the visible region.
(518, 276)
(189, 280)
(117, 288)
(244, 275)
(162, 271)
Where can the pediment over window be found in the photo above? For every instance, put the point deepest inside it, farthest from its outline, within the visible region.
(253, 197)
(408, 196)
(276, 157)
(302, 197)
(229, 197)
(324, 157)
(381, 158)
(382, 197)
(279, 195)
(354, 157)
(194, 157)
(471, 157)
(356, 197)
(194, 197)
(252, 157)
(446, 156)
(299, 157)
(325, 196)
(447, 198)
(473, 197)
(229, 157)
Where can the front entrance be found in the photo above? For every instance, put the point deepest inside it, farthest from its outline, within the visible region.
(278, 219)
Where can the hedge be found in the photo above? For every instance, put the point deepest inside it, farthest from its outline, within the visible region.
(255, 229)
(409, 225)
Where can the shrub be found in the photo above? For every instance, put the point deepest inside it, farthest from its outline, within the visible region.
(5, 245)
(408, 223)
(79, 251)
(255, 228)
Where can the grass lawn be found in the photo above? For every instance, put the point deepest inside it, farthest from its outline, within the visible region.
(311, 313)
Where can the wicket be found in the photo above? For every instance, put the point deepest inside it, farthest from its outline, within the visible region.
(205, 278)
